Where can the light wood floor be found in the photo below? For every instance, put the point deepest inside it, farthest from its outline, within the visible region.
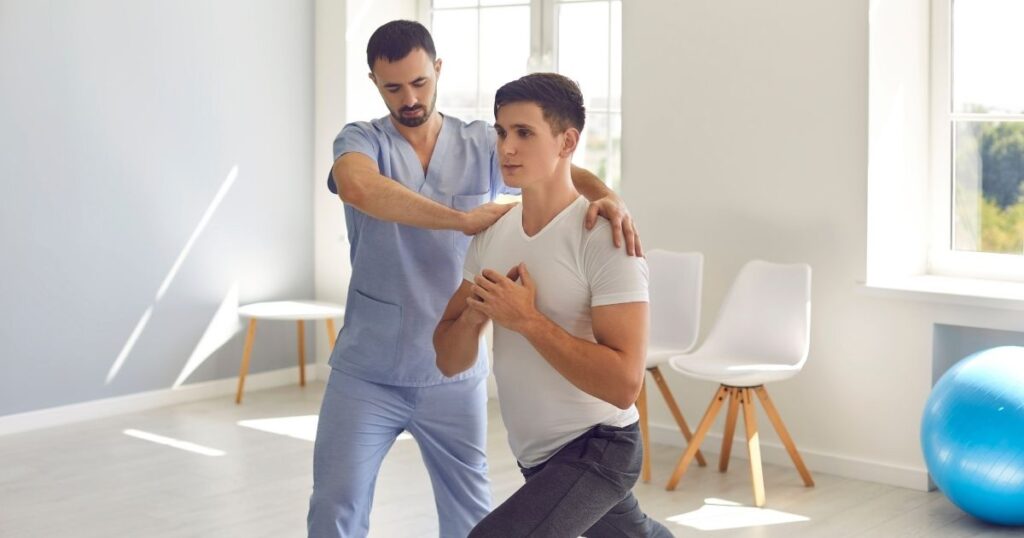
(93, 480)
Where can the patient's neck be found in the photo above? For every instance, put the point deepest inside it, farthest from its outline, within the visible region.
(543, 200)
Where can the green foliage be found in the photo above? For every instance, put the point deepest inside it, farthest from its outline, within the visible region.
(991, 220)
(1002, 228)
(1002, 161)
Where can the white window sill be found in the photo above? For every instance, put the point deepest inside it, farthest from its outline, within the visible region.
(951, 290)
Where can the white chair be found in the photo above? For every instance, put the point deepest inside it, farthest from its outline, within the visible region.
(675, 293)
(762, 334)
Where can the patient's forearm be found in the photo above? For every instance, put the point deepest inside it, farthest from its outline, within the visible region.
(457, 342)
(596, 369)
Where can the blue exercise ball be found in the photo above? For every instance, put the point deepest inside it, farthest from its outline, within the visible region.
(972, 434)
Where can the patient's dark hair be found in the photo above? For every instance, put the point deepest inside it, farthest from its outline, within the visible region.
(557, 96)
(396, 39)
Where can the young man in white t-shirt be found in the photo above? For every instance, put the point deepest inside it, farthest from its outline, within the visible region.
(570, 314)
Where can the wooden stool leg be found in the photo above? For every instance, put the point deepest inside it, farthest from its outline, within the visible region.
(698, 437)
(302, 353)
(246, 353)
(753, 445)
(676, 413)
(780, 428)
(645, 435)
(331, 334)
(730, 429)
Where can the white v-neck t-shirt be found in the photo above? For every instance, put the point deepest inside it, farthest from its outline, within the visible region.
(575, 269)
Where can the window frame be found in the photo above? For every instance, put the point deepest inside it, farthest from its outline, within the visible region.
(942, 259)
(544, 57)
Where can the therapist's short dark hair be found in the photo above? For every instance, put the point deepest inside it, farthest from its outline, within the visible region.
(559, 98)
(396, 39)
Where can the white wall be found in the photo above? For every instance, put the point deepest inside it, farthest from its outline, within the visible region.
(124, 228)
(745, 136)
(344, 94)
(331, 265)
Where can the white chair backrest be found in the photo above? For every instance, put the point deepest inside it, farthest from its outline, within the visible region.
(766, 315)
(675, 295)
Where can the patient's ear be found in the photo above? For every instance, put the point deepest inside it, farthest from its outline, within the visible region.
(571, 137)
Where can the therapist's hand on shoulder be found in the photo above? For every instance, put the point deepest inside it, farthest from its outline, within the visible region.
(482, 217)
(614, 209)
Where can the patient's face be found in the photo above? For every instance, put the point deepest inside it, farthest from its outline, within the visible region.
(527, 149)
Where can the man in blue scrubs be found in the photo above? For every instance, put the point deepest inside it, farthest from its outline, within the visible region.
(416, 185)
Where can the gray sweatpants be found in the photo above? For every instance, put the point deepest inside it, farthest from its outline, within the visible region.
(584, 489)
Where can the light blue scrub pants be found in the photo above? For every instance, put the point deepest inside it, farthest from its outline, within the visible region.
(360, 420)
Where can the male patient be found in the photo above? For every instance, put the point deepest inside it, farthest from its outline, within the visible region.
(571, 327)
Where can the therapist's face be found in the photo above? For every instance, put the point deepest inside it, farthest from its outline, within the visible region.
(408, 86)
(528, 150)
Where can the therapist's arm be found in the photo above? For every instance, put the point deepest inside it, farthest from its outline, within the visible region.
(604, 202)
(361, 185)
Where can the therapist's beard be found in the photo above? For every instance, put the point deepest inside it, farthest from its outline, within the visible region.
(419, 120)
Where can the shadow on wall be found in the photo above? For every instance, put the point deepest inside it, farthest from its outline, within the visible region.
(221, 328)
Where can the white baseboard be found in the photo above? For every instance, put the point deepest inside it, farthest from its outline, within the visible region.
(775, 453)
(106, 407)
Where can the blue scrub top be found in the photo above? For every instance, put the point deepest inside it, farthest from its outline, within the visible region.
(402, 276)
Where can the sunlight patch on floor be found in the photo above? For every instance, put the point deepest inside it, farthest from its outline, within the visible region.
(298, 427)
(175, 443)
(720, 514)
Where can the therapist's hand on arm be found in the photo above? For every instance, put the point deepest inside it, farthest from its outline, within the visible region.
(361, 185)
(604, 202)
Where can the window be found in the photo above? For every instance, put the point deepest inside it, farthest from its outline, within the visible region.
(486, 43)
(977, 139)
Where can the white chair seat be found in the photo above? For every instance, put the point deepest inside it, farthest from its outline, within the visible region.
(733, 371)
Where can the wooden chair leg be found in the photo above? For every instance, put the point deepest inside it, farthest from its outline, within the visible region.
(730, 429)
(753, 445)
(302, 353)
(331, 334)
(641, 407)
(246, 353)
(780, 428)
(698, 437)
(674, 408)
